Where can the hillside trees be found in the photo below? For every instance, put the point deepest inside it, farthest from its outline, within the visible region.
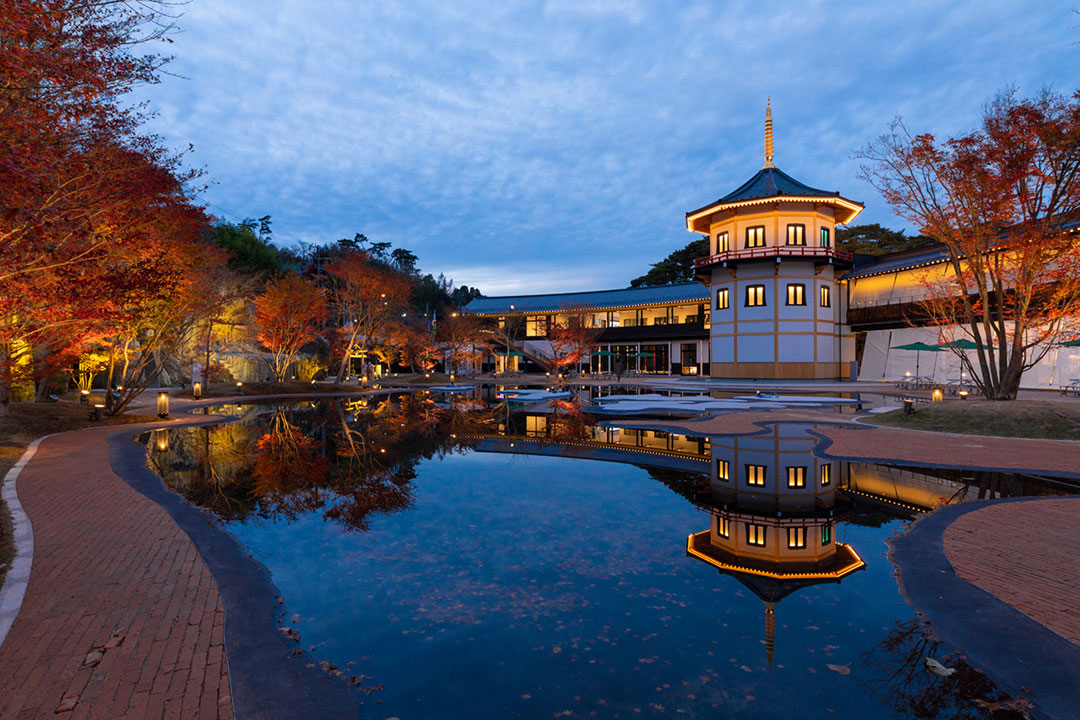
(677, 267)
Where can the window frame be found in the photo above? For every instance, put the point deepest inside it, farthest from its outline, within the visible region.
(796, 537)
(798, 479)
(800, 229)
(758, 231)
(755, 477)
(825, 296)
(825, 237)
(724, 293)
(826, 534)
(800, 292)
(723, 527)
(723, 470)
(723, 242)
(762, 298)
(755, 535)
(825, 474)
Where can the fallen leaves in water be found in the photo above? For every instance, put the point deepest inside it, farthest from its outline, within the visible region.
(937, 668)
(840, 669)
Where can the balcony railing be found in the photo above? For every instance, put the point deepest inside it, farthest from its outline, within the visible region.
(795, 251)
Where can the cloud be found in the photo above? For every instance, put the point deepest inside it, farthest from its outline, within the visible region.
(526, 143)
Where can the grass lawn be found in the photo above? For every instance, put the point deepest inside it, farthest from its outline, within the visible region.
(1019, 418)
(26, 422)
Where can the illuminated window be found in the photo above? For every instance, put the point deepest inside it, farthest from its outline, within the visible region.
(755, 534)
(723, 470)
(826, 534)
(723, 527)
(722, 244)
(826, 296)
(755, 475)
(796, 294)
(755, 296)
(796, 477)
(796, 538)
(826, 474)
(755, 236)
(825, 240)
(796, 234)
(723, 301)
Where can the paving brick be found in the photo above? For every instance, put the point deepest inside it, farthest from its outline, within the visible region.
(107, 559)
(1024, 553)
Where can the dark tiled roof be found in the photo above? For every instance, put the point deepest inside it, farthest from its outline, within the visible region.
(599, 299)
(769, 182)
(895, 262)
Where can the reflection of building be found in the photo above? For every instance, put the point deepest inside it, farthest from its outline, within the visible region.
(772, 510)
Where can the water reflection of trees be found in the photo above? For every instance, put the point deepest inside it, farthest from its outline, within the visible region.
(349, 459)
(903, 681)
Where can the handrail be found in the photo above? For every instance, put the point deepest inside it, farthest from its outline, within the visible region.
(774, 251)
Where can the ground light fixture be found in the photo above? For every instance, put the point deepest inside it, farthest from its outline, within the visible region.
(937, 395)
(84, 396)
(163, 405)
(196, 390)
(909, 406)
(95, 414)
(239, 384)
(963, 394)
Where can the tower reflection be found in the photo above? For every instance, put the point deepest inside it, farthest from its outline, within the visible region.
(773, 511)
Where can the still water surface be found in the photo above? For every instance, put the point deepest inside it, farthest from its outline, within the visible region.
(459, 564)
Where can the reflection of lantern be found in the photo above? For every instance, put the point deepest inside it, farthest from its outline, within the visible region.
(163, 405)
(937, 395)
(196, 390)
(161, 440)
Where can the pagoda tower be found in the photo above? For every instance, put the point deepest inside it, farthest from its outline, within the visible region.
(778, 301)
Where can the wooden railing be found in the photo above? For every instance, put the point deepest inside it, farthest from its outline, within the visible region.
(795, 251)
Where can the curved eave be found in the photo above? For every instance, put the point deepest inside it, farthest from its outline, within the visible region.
(847, 210)
(855, 563)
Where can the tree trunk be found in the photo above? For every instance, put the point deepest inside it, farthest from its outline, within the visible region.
(109, 380)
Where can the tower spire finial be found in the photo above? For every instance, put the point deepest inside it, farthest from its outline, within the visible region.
(768, 134)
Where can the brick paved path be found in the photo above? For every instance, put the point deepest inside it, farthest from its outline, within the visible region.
(121, 618)
(1025, 554)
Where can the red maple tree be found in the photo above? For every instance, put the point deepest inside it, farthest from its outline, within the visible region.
(1003, 200)
(290, 313)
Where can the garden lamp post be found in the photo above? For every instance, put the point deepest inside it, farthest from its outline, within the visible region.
(163, 405)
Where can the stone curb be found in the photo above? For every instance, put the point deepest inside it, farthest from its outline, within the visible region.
(18, 575)
(1018, 653)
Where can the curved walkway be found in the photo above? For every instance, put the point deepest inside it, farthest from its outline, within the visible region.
(140, 606)
(1007, 602)
(121, 616)
(1024, 554)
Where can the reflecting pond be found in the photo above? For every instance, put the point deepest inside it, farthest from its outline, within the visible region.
(459, 559)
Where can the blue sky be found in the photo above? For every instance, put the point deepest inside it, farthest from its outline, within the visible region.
(556, 145)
